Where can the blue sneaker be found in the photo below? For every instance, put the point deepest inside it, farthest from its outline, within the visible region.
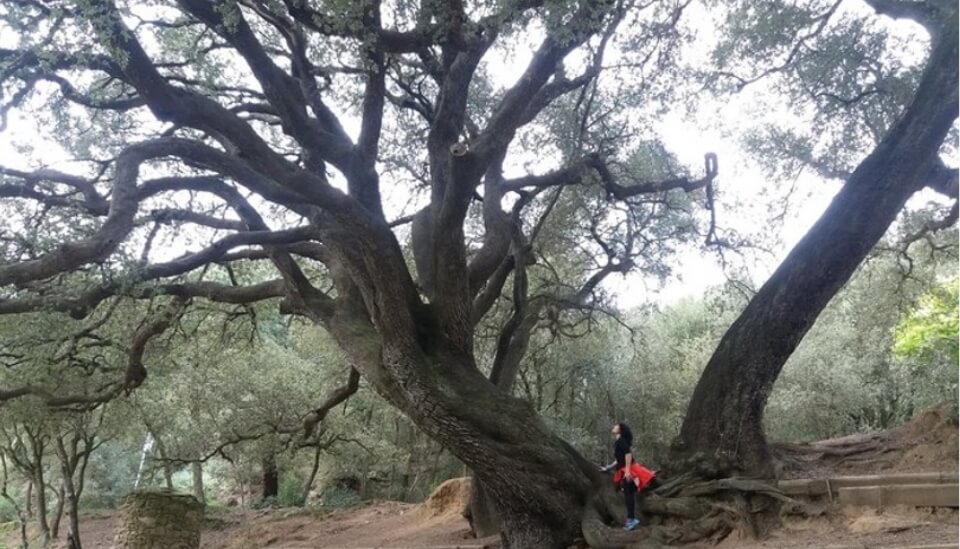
(631, 524)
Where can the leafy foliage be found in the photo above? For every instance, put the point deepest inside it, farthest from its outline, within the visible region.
(928, 335)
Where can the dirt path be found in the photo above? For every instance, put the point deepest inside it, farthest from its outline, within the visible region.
(390, 525)
(435, 524)
(383, 525)
(928, 443)
(860, 529)
(400, 526)
(405, 526)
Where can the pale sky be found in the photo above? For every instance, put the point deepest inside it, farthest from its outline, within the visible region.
(741, 187)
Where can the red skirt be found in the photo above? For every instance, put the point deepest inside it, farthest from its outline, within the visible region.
(638, 471)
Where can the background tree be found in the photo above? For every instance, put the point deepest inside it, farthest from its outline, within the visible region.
(723, 428)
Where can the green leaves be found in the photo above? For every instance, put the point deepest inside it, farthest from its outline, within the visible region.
(836, 77)
(928, 336)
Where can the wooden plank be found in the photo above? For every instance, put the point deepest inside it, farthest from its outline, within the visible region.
(820, 487)
(914, 495)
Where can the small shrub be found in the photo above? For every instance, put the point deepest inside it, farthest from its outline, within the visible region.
(290, 492)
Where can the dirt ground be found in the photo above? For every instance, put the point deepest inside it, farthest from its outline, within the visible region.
(435, 523)
(928, 443)
(390, 525)
(860, 529)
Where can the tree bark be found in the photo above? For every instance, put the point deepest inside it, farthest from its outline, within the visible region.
(723, 431)
(28, 498)
(73, 514)
(238, 477)
(167, 468)
(482, 512)
(308, 485)
(58, 512)
(197, 470)
(542, 486)
(70, 492)
(484, 515)
(270, 477)
(40, 490)
(168, 476)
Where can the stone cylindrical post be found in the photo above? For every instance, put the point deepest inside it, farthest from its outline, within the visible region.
(159, 520)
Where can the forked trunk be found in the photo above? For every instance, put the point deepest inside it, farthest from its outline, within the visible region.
(72, 504)
(41, 501)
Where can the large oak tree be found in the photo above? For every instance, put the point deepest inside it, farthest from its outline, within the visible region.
(274, 129)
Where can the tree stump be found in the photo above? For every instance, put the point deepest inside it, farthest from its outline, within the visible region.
(159, 520)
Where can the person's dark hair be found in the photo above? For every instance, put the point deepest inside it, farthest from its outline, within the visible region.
(626, 433)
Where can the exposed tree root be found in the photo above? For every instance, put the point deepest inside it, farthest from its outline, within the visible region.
(839, 447)
(848, 451)
(689, 509)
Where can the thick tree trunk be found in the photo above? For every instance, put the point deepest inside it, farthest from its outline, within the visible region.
(41, 501)
(28, 498)
(167, 468)
(58, 512)
(73, 514)
(308, 485)
(541, 485)
(168, 476)
(37, 444)
(241, 483)
(723, 426)
(71, 495)
(270, 477)
(197, 470)
(482, 512)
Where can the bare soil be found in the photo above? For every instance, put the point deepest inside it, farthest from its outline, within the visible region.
(436, 523)
(927, 443)
(860, 528)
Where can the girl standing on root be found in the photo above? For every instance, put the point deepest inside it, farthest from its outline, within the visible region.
(630, 476)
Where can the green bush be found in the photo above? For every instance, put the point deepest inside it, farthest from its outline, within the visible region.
(6, 527)
(100, 500)
(339, 496)
(290, 492)
(928, 335)
(266, 503)
(7, 512)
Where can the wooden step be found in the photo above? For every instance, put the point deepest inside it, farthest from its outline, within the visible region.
(925, 546)
(821, 487)
(914, 495)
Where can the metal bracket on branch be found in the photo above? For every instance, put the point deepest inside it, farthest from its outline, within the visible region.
(459, 149)
(711, 167)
